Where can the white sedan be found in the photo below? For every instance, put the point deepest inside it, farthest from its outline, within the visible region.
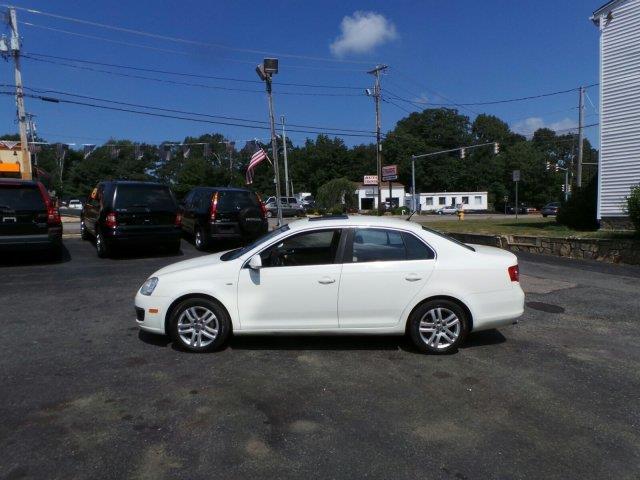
(356, 275)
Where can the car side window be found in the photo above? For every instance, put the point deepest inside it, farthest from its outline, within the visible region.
(318, 247)
(416, 250)
(380, 245)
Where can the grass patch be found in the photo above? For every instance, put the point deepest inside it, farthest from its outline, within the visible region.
(534, 226)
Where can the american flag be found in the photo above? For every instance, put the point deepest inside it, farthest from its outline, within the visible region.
(255, 160)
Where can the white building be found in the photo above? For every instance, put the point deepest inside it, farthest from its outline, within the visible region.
(468, 200)
(368, 195)
(619, 24)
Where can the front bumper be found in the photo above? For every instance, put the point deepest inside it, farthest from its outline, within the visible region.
(150, 313)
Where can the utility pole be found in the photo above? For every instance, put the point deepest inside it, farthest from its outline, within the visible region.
(265, 71)
(32, 139)
(376, 97)
(580, 138)
(286, 166)
(22, 119)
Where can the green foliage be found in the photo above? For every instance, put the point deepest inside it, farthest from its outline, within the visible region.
(579, 212)
(633, 207)
(337, 194)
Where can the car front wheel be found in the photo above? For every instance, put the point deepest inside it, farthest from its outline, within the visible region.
(101, 246)
(200, 240)
(84, 235)
(438, 326)
(199, 325)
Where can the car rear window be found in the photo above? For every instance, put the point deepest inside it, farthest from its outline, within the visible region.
(21, 197)
(236, 199)
(153, 197)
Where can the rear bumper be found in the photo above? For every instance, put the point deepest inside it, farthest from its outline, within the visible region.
(44, 241)
(497, 309)
(147, 237)
(232, 231)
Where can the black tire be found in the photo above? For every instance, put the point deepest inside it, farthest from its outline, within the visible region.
(200, 241)
(102, 249)
(199, 304)
(84, 235)
(429, 340)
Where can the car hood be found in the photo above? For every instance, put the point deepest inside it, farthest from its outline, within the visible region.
(193, 263)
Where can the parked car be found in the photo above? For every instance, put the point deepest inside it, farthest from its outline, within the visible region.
(122, 214)
(29, 220)
(308, 202)
(510, 208)
(448, 210)
(368, 275)
(290, 207)
(550, 209)
(75, 204)
(212, 214)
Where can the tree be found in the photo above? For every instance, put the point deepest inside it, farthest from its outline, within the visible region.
(337, 194)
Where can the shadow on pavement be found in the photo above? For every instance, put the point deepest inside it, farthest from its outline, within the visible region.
(328, 342)
(38, 257)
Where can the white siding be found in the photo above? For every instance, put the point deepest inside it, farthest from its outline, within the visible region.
(619, 107)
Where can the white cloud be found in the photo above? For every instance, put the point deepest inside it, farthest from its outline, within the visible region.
(528, 126)
(362, 32)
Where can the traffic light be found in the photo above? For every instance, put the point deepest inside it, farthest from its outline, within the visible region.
(563, 188)
(557, 168)
(496, 148)
(462, 153)
(547, 166)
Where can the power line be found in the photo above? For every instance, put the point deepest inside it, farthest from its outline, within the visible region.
(150, 107)
(187, 84)
(178, 39)
(176, 117)
(494, 102)
(386, 100)
(193, 75)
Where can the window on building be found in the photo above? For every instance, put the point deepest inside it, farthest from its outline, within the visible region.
(428, 201)
(454, 201)
(465, 200)
(442, 200)
(477, 199)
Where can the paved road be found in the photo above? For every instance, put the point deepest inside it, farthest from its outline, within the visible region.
(84, 395)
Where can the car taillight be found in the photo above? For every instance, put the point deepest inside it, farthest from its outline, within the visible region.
(214, 207)
(111, 221)
(178, 220)
(263, 207)
(53, 216)
(514, 273)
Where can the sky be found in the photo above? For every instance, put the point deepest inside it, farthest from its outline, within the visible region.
(459, 51)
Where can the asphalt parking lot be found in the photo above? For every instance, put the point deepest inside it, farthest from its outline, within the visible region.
(84, 394)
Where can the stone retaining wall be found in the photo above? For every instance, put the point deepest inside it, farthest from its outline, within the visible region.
(607, 250)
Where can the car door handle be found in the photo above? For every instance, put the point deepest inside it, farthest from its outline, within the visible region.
(326, 280)
(412, 278)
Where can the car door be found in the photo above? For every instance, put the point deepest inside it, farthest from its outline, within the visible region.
(91, 210)
(384, 269)
(297, 286)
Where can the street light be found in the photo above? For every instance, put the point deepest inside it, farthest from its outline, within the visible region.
(265, 71)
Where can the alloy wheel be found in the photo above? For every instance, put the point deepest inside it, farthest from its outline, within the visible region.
(198, 239)
(439, 328)
(198, 327)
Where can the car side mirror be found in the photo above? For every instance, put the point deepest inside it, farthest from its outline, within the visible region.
(255, 262)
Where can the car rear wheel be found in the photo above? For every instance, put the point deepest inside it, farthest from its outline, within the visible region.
(199, 239)
(438, 326)
(199, 325)
(102, 248)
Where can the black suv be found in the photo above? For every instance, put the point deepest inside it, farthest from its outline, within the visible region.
(124, 213)
(223, 213)
(28, 217)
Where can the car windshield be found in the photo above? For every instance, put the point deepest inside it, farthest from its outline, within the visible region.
(447, 237)
(152, 197)
(238, 252)
(21, 197)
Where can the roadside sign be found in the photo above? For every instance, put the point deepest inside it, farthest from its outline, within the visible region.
(389, 173)
(516, 175)
(370, 180)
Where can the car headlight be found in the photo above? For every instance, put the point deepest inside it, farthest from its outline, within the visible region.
(149, 286)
